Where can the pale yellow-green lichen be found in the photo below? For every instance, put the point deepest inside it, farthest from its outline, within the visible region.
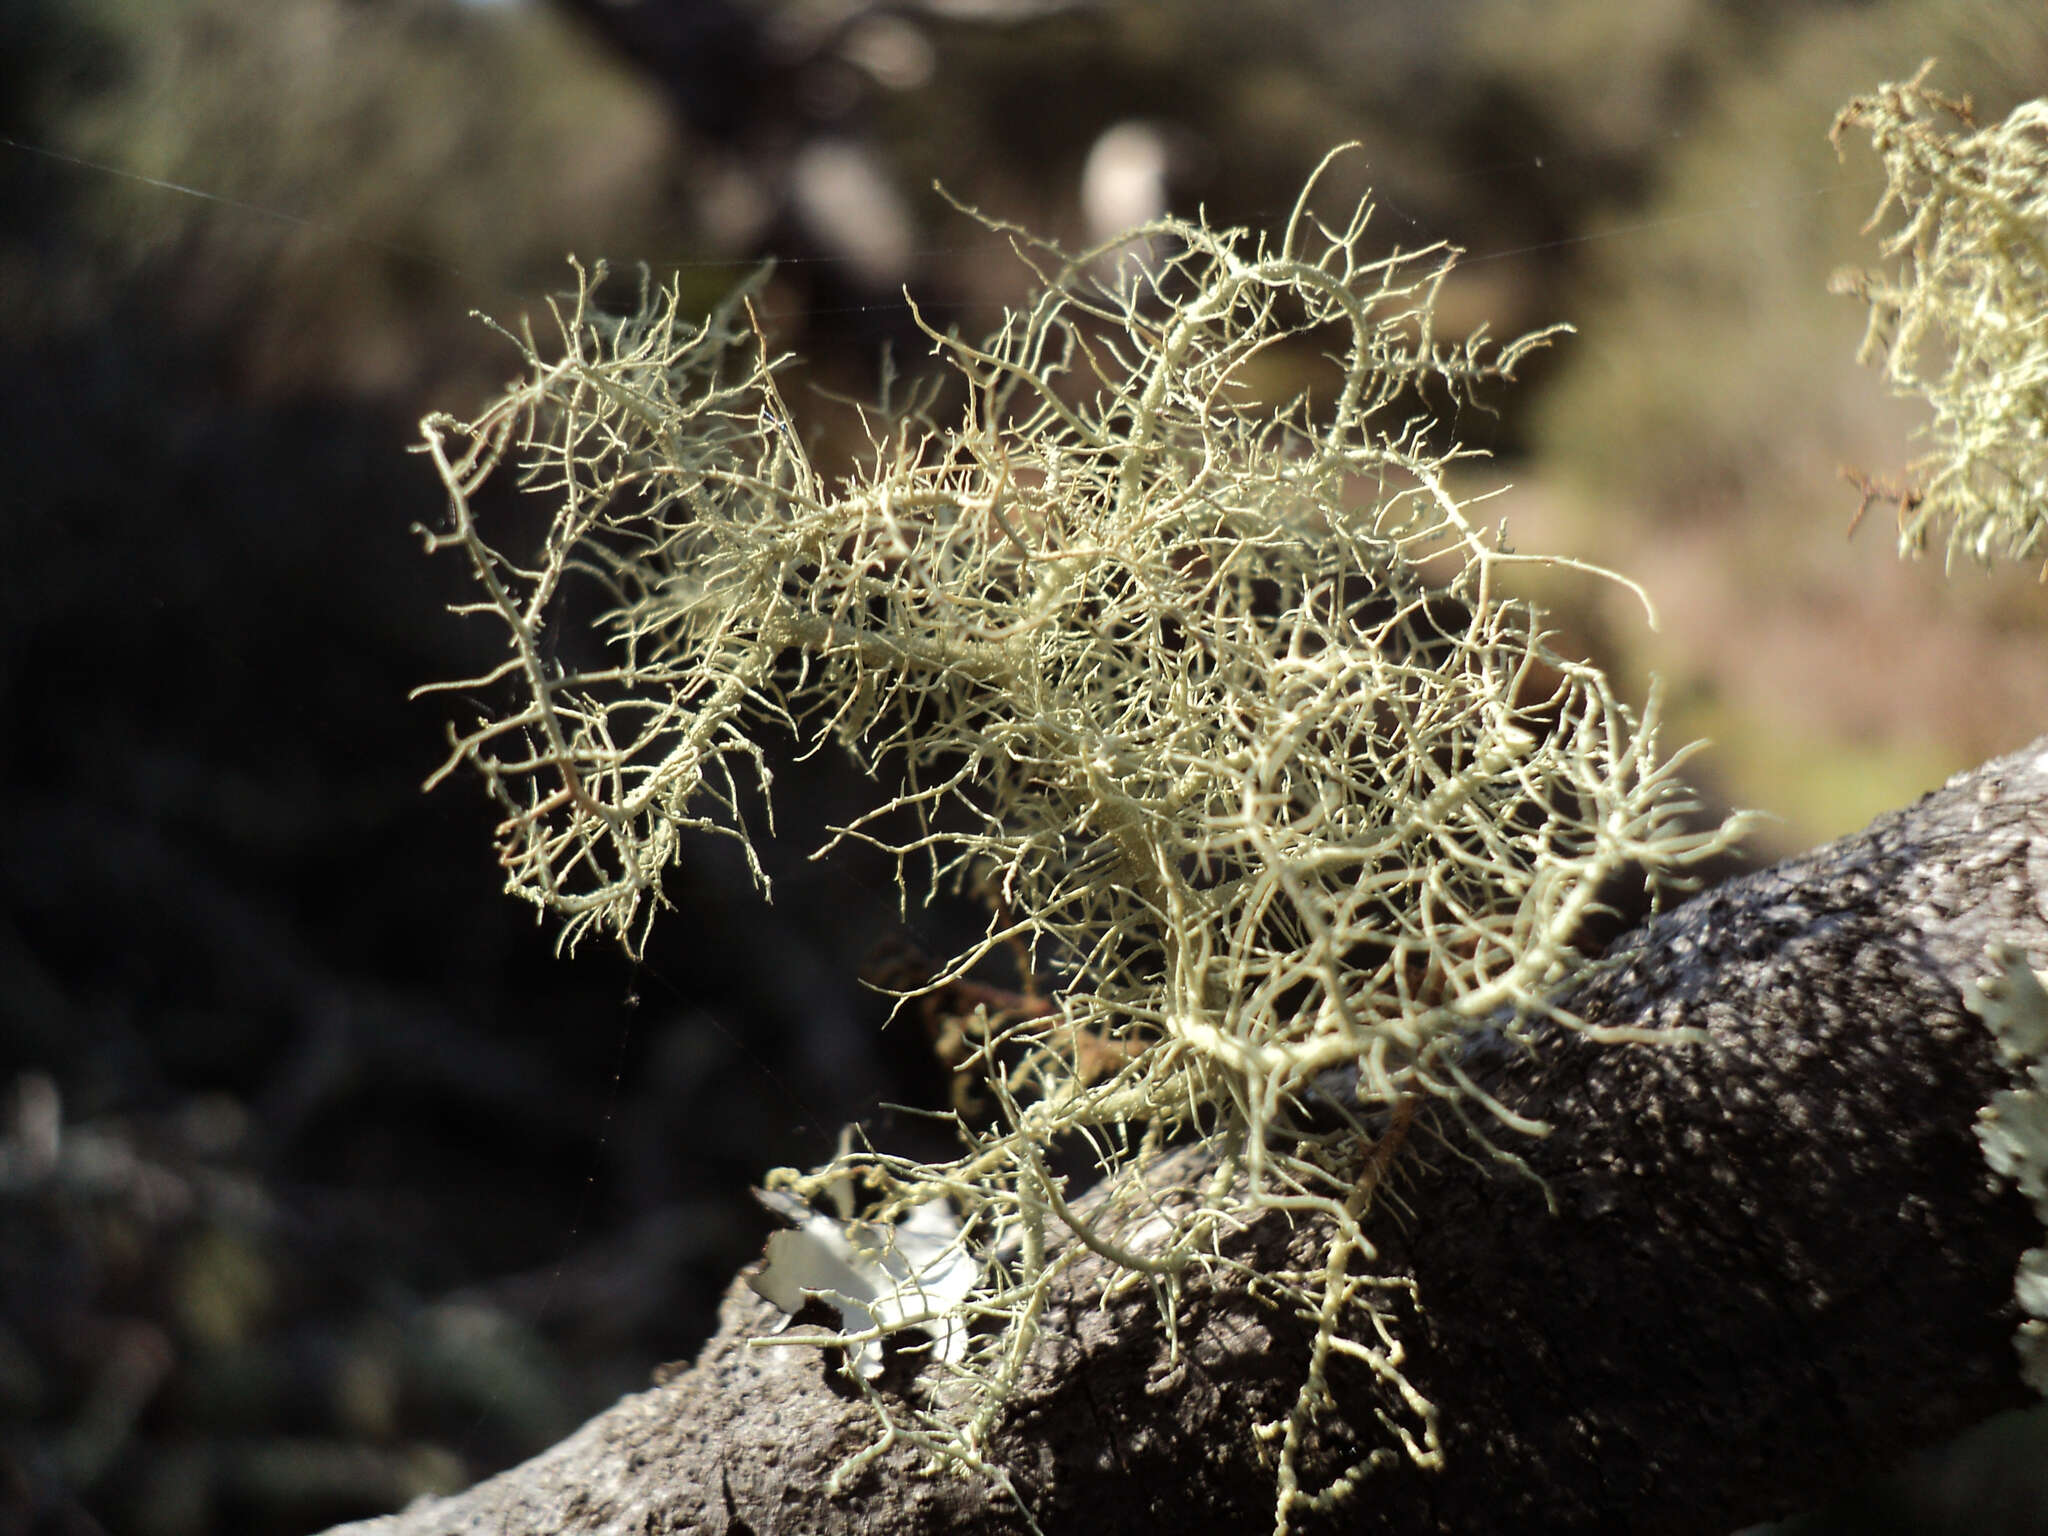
(1962, 322)
(1226, 708)
(2013, 1127)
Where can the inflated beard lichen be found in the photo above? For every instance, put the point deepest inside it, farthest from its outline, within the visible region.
(1959, 324)
(1225, 708)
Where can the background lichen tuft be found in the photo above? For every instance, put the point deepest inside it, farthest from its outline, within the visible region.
(1959, 322)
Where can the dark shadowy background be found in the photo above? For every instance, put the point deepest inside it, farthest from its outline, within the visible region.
(323, 1181)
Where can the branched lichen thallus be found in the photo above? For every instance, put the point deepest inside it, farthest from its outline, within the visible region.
(1229, 706)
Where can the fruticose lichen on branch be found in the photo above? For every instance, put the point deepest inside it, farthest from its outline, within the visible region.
(1227, 708)
(1960, 321)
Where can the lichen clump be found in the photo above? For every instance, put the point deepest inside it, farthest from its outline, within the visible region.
(1227, 710)
(2013, 1128)
(1959, 323)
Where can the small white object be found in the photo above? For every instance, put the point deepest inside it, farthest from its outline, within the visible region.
(844, 195)
(1123, 183)
(914, 1274)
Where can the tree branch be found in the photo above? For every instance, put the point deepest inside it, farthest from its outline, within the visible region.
(1775, 1264)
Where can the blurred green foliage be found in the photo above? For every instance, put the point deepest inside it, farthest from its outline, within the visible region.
(346, 179)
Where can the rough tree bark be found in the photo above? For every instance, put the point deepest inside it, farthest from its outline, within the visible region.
(1776, 1264)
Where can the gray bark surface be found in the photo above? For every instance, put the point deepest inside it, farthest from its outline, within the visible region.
(1776, 1265)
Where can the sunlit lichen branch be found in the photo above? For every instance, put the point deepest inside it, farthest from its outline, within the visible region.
(1226, 706)
(1963, 321)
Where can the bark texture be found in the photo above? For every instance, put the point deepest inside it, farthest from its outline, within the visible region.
(1755, 1271)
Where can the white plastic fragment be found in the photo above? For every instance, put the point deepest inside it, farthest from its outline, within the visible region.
(880, 1277)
